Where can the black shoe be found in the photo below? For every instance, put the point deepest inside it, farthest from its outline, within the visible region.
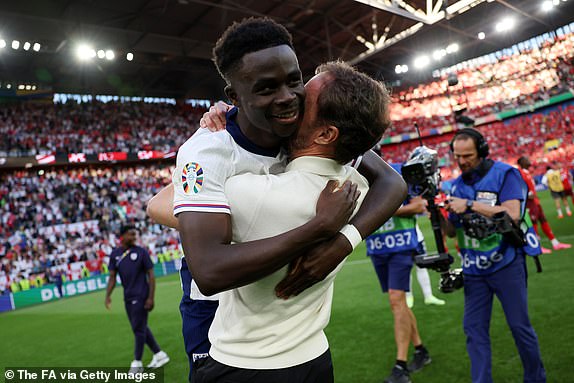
(420, 359)
(398, 375)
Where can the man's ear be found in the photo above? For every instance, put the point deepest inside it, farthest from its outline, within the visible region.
(231, 94)
(326, 135)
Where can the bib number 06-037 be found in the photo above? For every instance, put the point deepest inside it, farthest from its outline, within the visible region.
(389, 241)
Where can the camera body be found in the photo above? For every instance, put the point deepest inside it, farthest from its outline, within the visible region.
(421, 172)
(479, 227)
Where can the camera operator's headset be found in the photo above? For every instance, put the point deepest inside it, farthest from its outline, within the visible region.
(479, 141)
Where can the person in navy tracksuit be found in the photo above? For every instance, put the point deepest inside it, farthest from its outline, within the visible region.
(135, 268)
(491, 265)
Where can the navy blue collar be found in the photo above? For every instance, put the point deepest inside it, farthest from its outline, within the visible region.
(233, 128)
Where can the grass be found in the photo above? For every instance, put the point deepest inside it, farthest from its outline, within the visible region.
(80, 332)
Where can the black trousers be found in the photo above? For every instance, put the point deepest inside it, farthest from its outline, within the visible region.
(318, 370)
(137, 316)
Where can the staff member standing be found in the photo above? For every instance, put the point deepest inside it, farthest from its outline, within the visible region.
(491, 265)
(135, 268)
(391, 249)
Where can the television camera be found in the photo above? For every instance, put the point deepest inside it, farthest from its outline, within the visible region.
(422, 174)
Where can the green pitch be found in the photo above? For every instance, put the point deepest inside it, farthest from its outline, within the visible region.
(79, 331)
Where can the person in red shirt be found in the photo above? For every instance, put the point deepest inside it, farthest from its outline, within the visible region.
(535, 209)
(565, 177)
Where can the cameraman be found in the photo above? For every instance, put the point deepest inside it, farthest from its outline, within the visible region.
(491, 265)
(391, 249)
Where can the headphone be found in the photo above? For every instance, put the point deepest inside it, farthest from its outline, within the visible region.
(479, 141)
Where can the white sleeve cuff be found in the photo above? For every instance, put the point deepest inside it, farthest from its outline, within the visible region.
(352, 234)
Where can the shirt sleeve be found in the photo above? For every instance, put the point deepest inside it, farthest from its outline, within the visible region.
(513, 187)
(112, 262)
(204, 163)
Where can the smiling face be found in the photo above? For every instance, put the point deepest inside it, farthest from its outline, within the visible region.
(268, 89)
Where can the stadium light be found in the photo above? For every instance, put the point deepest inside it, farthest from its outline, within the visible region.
(85, 52)
(36, 47)
(110, 54)
(452, 48)
(101, 54)
(547, 5)
(439, 54)
(27, 46)
(8, 86)
(2, 43)
(505, 24)
(15, 44)
(481, 35)
(129, 56)
(405, 68)
(421, 62)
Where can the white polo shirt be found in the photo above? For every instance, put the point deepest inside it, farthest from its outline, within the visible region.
(252, 327)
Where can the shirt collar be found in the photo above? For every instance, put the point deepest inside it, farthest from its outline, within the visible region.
(233, 129)
(317, 165)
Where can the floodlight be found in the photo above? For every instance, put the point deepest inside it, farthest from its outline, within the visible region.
(405, 68)
(481, 35)
(28, 87)
(85, 52)
(505, 24)
(439, 54)
(21, 87)
(8, 86)
(110, 54)
(2, 43)
(101, 54)
(15, 44)
(421, 62)
(398, 69)
(36, 47)
(547, 5)
(129, 56)
(555, 2)
(27, 46)
(452, 48)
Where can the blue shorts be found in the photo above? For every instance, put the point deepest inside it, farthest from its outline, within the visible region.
(393, 270)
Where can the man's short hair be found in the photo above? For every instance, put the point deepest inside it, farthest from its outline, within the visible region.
(357, 105)
(247, 36)
(522, 161)
(125, 228)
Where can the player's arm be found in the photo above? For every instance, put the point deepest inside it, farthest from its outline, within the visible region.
(148, 265)
(217, 265)
(160, 207)
(386, 193)
(149, 303)
(109, 288)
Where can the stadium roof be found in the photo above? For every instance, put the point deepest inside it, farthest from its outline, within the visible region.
(172, 39)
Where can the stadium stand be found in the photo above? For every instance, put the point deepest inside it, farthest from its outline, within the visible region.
(66, 220)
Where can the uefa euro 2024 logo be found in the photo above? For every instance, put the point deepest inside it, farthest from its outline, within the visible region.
(192, 178)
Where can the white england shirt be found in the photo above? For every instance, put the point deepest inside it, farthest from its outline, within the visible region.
(205, 162)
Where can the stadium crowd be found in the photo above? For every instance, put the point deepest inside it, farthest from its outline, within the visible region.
(519, 79)
(91, 128)
(65, 220)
